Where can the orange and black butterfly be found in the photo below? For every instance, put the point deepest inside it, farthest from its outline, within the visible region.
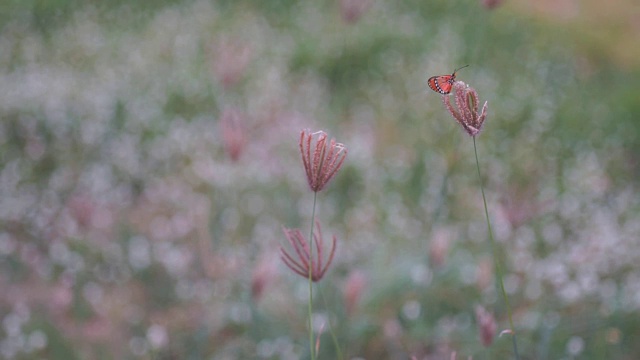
(443, 83)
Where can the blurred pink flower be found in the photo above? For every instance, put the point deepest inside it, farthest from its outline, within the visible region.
(519, 204)
(484, 273)
(98, 329)
(82, 209)
(466, 114)
(234, 136)
(352, 10)
(230, 60)
(392, 329)
(61, 297)
(439, 247)
(486, 325)
(353, 288)
(306, 257)
(326, 160)
(491, 4)
(263, 274)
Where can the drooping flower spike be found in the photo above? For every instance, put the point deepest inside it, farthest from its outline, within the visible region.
(304, 257)
(442, 83)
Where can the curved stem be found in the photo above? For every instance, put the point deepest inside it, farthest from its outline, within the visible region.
(496, 260)
(313, 215)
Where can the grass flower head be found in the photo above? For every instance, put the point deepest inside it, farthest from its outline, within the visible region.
(322, 158)
(303, 260)
(466, 114)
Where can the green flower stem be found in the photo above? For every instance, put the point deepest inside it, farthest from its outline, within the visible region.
(496, 260)
(313, 215)
(333, 335)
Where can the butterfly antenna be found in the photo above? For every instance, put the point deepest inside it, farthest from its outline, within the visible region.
(456, 70)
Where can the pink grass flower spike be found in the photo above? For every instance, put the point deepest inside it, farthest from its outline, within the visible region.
(491, 4)
(231, 59)
(466, 114)
(321, 158)
(487, 325)
(352, 10)
(301, 260)
(234, 135)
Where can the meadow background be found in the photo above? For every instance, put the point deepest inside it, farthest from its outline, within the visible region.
(149, 160)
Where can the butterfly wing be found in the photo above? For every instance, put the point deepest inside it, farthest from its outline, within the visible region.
(433, 84)
(441, 83)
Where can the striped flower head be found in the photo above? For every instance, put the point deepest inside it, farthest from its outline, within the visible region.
(321, 157)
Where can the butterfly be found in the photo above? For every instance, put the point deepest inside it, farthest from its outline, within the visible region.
(442, 83)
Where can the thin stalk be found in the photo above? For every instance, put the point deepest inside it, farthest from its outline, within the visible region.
(333, 335)
(496, 260)
(313, 215)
